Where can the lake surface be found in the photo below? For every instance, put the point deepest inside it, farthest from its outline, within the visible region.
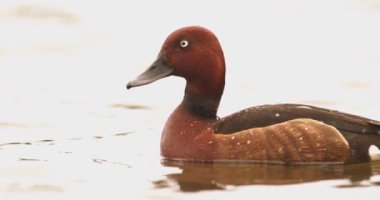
(70, 130)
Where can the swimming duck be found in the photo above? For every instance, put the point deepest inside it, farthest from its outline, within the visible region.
(281, 133)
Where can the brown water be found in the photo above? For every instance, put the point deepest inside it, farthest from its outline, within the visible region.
(70, 130)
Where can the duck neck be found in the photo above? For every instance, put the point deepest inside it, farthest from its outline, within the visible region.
(202, 101)
(200, 107)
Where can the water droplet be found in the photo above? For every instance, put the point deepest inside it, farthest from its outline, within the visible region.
(249, 142)
(233, 137)
(277, 114)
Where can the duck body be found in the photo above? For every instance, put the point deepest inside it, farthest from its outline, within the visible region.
(358, 132)
(281, 133)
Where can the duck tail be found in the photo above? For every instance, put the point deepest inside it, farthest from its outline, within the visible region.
(374, 146)
(361, 146)
(377, 138)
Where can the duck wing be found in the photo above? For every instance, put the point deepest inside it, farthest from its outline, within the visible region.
(266, 115)
(358, 131)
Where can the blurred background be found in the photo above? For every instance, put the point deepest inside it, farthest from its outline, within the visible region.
(64, 66)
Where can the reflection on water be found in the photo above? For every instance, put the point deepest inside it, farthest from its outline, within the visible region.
(12, 124)
(197, 177)
(43, 12)
(356, 85)
(131, 159)
(131, 106)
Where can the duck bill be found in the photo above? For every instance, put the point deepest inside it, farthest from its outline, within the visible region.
(158, 70)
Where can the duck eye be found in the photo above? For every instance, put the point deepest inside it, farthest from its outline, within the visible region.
(184, 43)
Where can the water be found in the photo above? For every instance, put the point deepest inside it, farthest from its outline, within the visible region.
(70, 130)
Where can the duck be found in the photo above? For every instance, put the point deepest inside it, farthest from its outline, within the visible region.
(272, 133)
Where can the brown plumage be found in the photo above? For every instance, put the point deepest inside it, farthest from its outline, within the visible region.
(359, 132)
(283, 133)
(294, 141)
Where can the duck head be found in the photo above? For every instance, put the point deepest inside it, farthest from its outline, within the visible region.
(195, 54)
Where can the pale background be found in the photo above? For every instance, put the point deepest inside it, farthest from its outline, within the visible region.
(64, 66)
